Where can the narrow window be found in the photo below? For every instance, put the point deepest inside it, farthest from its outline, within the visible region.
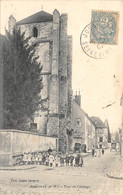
(100, 139)
(35, 32)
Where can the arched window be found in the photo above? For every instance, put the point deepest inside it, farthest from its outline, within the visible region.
(35, 32)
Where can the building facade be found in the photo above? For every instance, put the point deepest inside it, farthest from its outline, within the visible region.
(101, 133)
(84, 130)
(54, 48)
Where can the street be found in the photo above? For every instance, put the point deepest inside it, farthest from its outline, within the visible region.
(91, 179)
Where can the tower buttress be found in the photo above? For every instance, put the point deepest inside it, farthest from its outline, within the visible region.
(11, 23)
(53, 123)
(69, 73)
(63, 64)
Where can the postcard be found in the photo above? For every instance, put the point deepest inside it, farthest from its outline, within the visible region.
(61, 97)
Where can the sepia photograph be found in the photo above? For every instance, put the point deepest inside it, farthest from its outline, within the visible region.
(61, 97)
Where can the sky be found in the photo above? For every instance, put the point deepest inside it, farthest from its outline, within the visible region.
(100, 81)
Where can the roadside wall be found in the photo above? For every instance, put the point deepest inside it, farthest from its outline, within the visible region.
(16, 142)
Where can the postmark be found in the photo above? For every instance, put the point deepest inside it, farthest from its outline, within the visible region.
(104, 27)
(97, 50)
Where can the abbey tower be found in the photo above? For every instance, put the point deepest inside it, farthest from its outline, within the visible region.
(54, 48)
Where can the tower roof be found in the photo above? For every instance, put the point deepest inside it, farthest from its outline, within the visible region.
(38, 17)
(97, 122)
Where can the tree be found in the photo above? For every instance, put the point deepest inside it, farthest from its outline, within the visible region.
(22, 80)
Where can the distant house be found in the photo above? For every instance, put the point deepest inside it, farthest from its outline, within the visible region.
(101, 132)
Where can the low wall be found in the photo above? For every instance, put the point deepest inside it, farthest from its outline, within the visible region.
(16, 142)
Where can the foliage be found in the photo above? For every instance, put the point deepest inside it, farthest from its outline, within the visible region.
(22, 80)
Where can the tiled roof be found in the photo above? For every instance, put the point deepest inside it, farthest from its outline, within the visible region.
(97, 122)
(37, 18)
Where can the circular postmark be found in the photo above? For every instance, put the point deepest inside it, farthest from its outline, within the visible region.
(93, 50)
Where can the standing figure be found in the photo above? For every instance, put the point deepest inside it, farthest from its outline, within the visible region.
(33, 158)
(40, 158)
(51, 160)
(25, 158)
(44, 159)
(99, 153)
(80, 160)
(93, 151)
(36, 158)
(47, 160)
(71, 160)
(77, 160)
(29, 158)
(102, 151)
(62, 161)
(57, 160)
(67, 160)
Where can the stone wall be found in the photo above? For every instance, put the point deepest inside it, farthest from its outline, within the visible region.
(16, 142)
(44, 29)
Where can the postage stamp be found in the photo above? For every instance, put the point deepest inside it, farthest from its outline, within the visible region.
(104, 27)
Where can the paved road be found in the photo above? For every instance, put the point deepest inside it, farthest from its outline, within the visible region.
(91, 179)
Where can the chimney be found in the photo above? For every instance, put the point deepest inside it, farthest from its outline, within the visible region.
(77, 99)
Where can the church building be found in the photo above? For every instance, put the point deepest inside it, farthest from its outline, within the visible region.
(54, 48)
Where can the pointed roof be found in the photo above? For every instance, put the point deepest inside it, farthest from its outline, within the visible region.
(38, 17)
(97, 122)
(106, 123)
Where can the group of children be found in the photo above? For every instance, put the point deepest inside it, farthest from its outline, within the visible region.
(52, 159)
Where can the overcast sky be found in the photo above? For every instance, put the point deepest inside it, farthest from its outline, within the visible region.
(93, 77)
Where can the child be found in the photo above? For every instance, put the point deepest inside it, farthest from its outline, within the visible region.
(57, 161)
(51, 160)
(40, 158)
(102, 151)
(67, 160)
(62, 161)
(43, 159)
(99, 154)
(80, 161)
(47, 160)
(95, 153)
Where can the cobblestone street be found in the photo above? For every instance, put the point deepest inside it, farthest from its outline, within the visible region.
(90, 179)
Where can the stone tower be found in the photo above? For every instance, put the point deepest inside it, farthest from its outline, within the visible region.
(54, 48)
